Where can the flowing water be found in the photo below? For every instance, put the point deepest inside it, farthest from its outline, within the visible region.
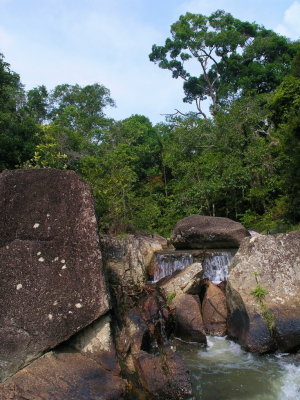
(215, 266)
(223, 371)
(168, 263)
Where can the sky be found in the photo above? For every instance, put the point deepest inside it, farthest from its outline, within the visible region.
(50, 42)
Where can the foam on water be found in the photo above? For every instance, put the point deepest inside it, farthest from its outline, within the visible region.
(224, 371)
(290, 382)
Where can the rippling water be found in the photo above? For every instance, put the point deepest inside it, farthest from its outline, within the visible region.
(223, 371)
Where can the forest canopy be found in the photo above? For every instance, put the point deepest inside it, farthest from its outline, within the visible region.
(242, 161)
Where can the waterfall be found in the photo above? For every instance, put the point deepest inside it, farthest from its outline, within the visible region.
(166, 264)
(215, 266)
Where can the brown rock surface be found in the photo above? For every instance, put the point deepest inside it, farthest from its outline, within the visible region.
(189, 323)
(63, 376)
(214, 310)
(198, 232)
(52, 283)
(164, 376)
(275, 260)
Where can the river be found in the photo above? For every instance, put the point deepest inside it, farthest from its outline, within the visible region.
(223, 371)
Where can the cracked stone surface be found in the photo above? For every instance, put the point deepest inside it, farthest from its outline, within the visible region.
(273, 262)
(61, 376)
(52, 284)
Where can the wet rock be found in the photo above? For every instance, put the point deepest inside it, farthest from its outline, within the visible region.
(188, 318)
(214, 310)
(52, 283)
(62, 376)
(185, 281)
(198, 232)
(272, 264)
(96, 342)
(163, 376)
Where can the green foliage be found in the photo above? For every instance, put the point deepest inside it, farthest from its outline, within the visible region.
(259, 294)
(170, 298)
(17, 129)
(235, 58)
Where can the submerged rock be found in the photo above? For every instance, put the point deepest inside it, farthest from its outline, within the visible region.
(266, 268)
(198, 232)
(52, 282)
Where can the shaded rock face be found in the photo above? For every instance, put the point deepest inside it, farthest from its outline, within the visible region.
(198, 232)
(188, 318)
(126, 261)
(273, 263)
(145, 354)
(62, 376)
(214, 310)
(52, 283)
(96, 342)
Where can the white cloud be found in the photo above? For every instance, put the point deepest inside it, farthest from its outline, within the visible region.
(290, 26)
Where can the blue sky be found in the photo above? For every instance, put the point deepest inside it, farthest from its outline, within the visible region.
(108, 41)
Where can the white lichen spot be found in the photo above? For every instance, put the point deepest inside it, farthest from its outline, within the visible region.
(50, 317)
(36, 225)
(38, 253)
(7, 247)
(19, 286)
(78, 305)
(56, 259)
(62, 261)
(64, 267)
(48, 215)
(70, 312)
(41, 259)
(55, 303)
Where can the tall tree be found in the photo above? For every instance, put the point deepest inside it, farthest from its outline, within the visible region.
(17, 128)
(234, 58)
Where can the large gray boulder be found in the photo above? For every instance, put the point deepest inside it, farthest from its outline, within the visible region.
(52, 283)
(198, 232)
(263, 293)
(185, 281)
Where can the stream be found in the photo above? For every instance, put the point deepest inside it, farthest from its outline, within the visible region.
(223, 371)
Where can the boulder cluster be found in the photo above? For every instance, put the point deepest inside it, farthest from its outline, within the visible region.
(79, 319)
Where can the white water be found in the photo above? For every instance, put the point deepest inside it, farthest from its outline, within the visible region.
(223, 371)
(215, 266)
(168, 263)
